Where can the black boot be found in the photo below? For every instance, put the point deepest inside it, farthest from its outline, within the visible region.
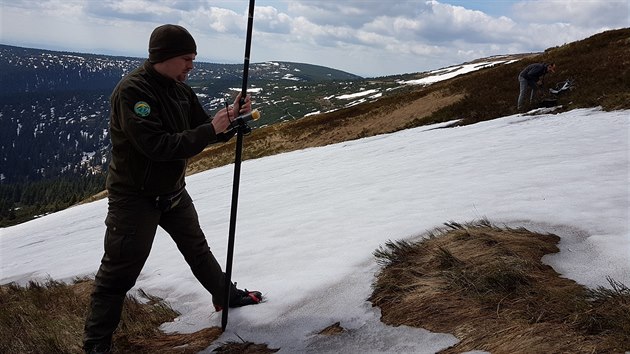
(240, 298)
(245, 297)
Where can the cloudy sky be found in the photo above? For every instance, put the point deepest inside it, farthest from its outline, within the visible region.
(364, 37)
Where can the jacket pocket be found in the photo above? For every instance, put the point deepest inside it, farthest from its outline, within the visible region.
(119, 236)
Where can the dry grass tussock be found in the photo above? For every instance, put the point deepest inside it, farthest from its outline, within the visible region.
(49, 318)
(488, 287)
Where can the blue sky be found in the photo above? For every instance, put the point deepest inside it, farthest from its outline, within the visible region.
(364, 37)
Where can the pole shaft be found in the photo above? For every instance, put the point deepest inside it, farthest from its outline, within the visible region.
(232, 232)
(248, 46)
(237, 173)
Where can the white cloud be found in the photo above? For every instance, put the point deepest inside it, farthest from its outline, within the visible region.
(138, 11)
(351, 13)
(269, 19)
(366, 37)
(220, 20)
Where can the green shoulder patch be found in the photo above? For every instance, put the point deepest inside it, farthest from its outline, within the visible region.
(142, 109)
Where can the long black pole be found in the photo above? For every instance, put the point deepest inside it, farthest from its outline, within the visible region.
(241, 130)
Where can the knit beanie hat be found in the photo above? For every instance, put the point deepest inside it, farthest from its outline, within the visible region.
(168, 41)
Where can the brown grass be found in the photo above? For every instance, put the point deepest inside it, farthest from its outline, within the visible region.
(332, 330)
(488, 287)
(244, 348)
(49, 318)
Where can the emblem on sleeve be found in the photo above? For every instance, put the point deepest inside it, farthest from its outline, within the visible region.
(142, 109)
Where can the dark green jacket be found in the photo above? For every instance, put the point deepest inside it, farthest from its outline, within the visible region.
(156, 124)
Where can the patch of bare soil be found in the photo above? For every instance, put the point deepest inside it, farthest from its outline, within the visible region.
(177, 343)
(332, 330)
(488, 287)
(244, 348)
(191, 343)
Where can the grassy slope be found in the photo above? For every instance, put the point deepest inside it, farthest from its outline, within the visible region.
(600, 66)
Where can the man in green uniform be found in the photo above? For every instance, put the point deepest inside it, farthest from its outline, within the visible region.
(156, 124)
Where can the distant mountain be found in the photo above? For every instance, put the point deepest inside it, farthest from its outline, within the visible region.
(36, 70)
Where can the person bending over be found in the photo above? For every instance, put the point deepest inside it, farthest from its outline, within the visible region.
(531, 78)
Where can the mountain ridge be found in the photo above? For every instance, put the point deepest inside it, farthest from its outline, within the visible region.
(17, 63)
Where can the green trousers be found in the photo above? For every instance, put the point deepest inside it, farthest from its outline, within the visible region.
(131, 225)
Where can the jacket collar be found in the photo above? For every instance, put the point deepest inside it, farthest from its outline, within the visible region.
(161, 79)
